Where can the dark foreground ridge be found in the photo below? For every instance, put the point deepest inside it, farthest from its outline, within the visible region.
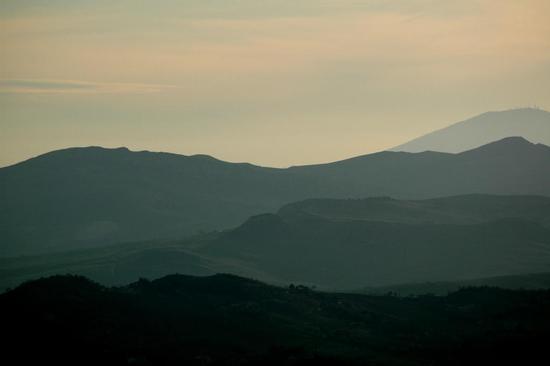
(229, 320)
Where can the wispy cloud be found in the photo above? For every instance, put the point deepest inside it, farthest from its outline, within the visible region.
(48, 86)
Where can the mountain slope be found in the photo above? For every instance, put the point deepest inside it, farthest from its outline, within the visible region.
(466, 209)
(351, 254)
(85, 197)
(376, 242)
(337, 244)
(88, 196)
(509, 166)
(532, 124)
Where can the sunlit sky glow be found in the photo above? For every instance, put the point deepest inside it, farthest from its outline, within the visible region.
(273, 82)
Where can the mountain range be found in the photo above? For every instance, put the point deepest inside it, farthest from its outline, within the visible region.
(335, 244)
(88, 197)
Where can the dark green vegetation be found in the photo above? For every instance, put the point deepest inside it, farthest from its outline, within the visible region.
(335, 244)
(87, 197)
(533, 281)
(228, 320)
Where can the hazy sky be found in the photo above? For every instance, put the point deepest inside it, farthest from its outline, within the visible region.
(274, 82)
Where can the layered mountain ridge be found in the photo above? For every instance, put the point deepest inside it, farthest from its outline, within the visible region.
(85, 197)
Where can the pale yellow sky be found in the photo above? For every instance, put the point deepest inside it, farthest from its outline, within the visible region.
(270, 82)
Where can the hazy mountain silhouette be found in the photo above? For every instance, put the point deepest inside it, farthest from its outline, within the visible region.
(228, 320)
(346, 243)
(336, 244)
(93, 196)
(530, 123)
(467, 209)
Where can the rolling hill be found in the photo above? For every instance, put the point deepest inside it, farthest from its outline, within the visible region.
(334, 244)
(381, 241)
(86, 197)
(348, 254)
(464, 209)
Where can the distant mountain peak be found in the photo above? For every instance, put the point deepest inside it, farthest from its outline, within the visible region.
(507, 145)
(531, 123)
(511, 141)
(521, 110)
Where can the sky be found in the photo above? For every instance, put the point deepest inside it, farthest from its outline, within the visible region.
(272, 82)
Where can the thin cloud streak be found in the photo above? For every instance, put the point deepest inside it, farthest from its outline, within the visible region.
(47, 86)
